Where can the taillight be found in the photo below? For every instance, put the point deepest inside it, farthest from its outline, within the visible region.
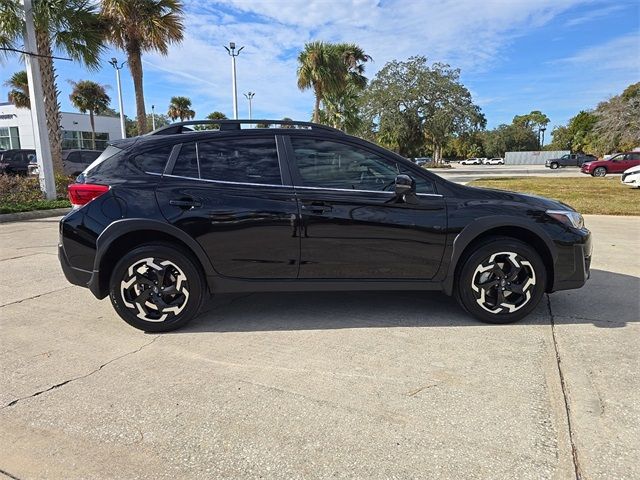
(82, 193)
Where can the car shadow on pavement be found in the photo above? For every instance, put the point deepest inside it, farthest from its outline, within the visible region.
(614, 304)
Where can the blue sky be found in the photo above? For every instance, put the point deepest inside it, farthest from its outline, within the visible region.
(558, 56)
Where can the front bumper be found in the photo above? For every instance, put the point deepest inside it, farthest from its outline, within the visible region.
(573, 266)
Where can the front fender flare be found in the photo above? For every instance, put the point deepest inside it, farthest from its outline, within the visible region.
(481, 225)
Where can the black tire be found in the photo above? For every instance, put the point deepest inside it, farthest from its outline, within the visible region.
(507, 296)
(157, 287)
(599, 172)
(554, 165)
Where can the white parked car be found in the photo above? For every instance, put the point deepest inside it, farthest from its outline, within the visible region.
(494, 161)
(631, 177)
(471, 161)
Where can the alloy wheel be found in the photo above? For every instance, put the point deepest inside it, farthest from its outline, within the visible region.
(503, 282)
(155, 289)
(599, 172)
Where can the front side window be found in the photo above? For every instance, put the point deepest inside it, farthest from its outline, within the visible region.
(329, 164)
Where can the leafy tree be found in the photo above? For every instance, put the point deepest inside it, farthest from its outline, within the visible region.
(132, 125)
(138, 26)
(263, 125)
(19, 93)
(71, 27)
(509, 138)
(180, 107)
(287, 119)
(617, 126)
(88, 96)
(415, 105)
(329, 69)
(212, 116)
(536, 120)
(577, 135)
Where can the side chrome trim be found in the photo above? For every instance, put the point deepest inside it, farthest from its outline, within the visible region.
(288, 186)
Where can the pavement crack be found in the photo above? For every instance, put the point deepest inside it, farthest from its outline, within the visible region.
(4, 472)
(413, 393)
(66, 382)
(567, 406)
(36, 296)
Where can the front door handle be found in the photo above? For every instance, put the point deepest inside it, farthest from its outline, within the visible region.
(186, 204)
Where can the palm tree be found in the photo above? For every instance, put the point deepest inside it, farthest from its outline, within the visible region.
(19, 93)
(180, 107)
(71, 27)
(88, 96)
(212, 116)
(317, 67)
(330, 69)
(138, 26)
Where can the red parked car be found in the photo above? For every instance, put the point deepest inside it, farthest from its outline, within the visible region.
(616, 164)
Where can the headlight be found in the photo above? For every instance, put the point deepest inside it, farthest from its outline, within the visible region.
(567, 217)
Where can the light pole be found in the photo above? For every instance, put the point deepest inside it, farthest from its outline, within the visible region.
(249, 96)
(231, 50)
(36, 97)
(542, 142)
(114, 63)
(153, 117)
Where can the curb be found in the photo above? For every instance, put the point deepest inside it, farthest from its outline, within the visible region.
(32, 215)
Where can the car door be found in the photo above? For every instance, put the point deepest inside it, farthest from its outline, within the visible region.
(228, 194)
(352, 224)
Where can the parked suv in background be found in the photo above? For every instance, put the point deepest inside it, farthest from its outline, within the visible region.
(569, 160)
(471, 161)
(616, 164)
(164, 220)
(73, 161)
(16, 161)
(494, 161)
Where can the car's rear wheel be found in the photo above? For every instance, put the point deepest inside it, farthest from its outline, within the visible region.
(599, 172)
(501, 281)
(156, 288)
(554, 165)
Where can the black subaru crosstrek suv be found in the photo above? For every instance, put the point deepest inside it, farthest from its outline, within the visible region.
(164, 220)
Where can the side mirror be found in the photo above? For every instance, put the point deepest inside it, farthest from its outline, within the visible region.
(404, 185)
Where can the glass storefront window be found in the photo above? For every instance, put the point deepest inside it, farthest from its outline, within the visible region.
(9, 138)
(82, 140)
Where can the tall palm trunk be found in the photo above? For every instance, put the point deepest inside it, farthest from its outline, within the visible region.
(316, 110)
(93, 130)
(51, 105)
(135, 66)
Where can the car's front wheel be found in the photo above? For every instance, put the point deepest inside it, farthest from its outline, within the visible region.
(599, 172)
(501, 281)
(156, 288)
(554, 165)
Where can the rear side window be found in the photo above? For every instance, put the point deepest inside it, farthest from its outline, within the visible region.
(187, 162)
(74, 157)
(242, 160)
(88, 157)
(253, 160)
(153, 161)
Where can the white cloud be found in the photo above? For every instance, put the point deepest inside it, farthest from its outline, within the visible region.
(468, 34)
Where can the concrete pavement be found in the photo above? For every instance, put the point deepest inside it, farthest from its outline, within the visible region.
(364, 385)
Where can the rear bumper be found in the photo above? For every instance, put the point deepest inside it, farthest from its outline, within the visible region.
(74, 275)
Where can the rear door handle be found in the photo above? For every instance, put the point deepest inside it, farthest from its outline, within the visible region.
(317, 207)
(192, 203)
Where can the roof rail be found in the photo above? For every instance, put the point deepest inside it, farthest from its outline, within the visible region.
(226, 125)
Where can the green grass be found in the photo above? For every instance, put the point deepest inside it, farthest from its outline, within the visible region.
(589, 195)
(27, 206)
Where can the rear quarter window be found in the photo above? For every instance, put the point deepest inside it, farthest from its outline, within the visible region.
(154, 160)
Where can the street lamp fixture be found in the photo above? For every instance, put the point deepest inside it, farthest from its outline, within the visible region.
(153, 117)
(249, 96)
(114, 63)
(542, 129)
(231, 50)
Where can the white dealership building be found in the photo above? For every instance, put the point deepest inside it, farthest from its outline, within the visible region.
(16, 129)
